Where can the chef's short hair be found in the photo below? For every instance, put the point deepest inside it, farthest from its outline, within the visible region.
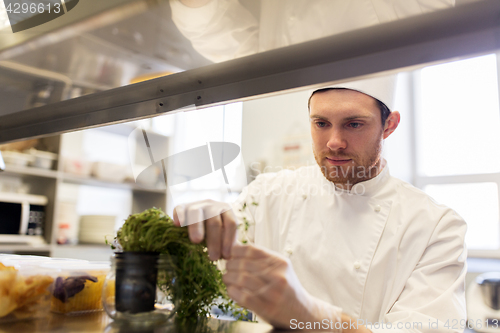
(384, 109)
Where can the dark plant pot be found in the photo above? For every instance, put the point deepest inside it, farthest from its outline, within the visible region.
(136, 277)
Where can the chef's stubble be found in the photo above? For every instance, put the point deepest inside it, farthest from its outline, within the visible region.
(363, 168)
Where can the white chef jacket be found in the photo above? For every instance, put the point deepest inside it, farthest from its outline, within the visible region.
(385, 252)
(224, 29)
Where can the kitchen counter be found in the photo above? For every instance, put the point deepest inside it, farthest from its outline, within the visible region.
(100, 322)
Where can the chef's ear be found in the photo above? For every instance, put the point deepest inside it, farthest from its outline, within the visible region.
(391, 123)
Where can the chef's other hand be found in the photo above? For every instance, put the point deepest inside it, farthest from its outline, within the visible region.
(210, 220)
(265, 282)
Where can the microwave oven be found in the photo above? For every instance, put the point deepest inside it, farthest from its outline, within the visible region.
(22, 218)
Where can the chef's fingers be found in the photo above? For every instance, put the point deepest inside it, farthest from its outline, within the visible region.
(177, 223)
(247, 300)
(246, 265)
(249, 251)
(195, 214)
(214, 237)
(180, 215)
(229, 230)
(243, 280)
(196, 230)
(270, 270)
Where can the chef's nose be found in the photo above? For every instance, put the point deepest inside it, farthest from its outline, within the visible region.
(336, 141)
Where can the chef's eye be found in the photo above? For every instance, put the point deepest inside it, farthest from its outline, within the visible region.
(320, 124)
(354, 125)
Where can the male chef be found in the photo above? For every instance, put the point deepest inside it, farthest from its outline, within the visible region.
(340, 245)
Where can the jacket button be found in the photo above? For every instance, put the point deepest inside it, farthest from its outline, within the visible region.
(378, 208)
(357, 265)
(289, 251)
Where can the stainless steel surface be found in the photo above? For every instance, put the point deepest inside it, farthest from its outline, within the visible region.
(100, 322)
(458, 32)
(489, 284)
(103, 47)
(88, 15)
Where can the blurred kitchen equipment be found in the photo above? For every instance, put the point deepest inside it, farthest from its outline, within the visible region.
(20, 145)
(22, 218)
(483, 303)
(16, 158)
(109, 171)
(2, 163)
(13, 184)
(42, 159)
(489, 284)
(67, 223)
(95, 228)
(77, 166)
(62, 233)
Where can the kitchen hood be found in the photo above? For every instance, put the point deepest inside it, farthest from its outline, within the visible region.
(96, 46)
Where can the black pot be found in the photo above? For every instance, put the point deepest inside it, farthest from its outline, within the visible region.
(489, 284)
(136, 277)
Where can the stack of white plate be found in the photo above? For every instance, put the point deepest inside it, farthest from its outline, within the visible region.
(95, 229)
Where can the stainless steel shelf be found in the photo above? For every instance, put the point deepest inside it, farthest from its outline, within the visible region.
(23, 248)
(462, 31)
(30, 171)
(81, 180)
(88, 15)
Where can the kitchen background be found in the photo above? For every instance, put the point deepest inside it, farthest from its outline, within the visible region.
(448, 142)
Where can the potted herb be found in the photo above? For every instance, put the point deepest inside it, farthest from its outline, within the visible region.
(153, 252)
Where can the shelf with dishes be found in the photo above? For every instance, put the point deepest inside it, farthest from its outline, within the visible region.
(126, 185)
(29, 171)
(13, 169)
(30, 166)
(89, 173)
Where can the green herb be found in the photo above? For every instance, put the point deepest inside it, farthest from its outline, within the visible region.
(195, 284)
(246, 223)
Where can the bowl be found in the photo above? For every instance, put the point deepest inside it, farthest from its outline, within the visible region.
(16, 158)
(42, 159)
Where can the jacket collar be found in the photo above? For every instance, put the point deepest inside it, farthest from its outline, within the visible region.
(368, 187)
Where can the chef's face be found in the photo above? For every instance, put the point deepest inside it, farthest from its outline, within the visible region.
(347, 135)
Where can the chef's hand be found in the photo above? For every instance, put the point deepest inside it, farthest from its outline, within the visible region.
(265, 282)
(210, 220)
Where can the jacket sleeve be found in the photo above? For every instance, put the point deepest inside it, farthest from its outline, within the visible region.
(433, 297)
(220, 31)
